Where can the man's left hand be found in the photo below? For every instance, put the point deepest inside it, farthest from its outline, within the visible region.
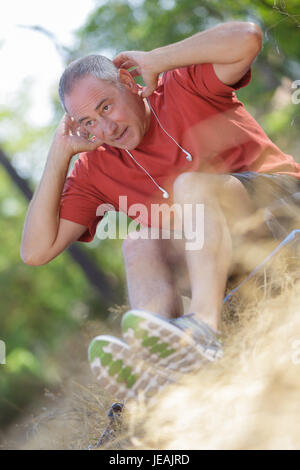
(143, 66)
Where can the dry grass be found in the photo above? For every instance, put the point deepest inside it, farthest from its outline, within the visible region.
(247, 400)
(75, 414)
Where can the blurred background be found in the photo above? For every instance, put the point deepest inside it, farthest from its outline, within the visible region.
(42, 308)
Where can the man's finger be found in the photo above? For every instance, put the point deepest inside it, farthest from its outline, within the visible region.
(117, 60)
(127, 64)
(135, 72)
(147, 91)
(120, 59)
(150, 87)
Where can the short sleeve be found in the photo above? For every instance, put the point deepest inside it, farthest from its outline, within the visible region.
(201, 79)
(214, 85)
(79, 201)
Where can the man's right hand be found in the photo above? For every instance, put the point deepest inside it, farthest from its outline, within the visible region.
(73, 139)
(45, 234)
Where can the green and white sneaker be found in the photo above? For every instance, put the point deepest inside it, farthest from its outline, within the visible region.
(167, 345)
(121, 372)
(206, 339)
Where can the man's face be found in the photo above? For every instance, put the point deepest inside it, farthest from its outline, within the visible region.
(115, 115)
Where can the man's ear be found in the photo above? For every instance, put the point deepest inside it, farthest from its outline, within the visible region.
(128, 81)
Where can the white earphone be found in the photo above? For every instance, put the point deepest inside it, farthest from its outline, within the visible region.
(188, 156)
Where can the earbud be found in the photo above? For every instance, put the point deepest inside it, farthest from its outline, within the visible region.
(188, 155)
(165, 193)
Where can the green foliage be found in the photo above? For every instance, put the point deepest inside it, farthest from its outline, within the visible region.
(36, 307)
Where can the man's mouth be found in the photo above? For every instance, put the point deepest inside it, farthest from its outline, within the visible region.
(122, 136)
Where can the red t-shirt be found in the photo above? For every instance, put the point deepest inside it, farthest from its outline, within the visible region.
(205, 118)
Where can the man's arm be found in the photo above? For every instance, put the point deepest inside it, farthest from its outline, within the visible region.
(230, 47)
(44, 234)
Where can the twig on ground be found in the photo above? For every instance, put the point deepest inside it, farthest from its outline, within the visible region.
(115, 419)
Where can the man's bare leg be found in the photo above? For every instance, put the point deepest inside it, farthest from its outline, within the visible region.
(208, 267)
(151, 284)
(150, 276)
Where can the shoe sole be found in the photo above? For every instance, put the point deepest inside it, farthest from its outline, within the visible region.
(160, 343)
(118, 370)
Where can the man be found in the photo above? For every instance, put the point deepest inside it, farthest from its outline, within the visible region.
(185, 139)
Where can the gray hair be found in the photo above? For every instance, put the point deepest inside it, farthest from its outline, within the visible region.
(96, 65)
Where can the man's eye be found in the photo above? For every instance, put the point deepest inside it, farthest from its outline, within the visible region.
(106, 107)
(88, 123)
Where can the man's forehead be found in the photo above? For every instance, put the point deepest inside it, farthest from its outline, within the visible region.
(86, 95)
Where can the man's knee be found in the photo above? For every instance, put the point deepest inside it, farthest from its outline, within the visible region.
(184, 183)
(208, 187)
(204, 185)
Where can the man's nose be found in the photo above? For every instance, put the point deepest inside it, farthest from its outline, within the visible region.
(106, 128)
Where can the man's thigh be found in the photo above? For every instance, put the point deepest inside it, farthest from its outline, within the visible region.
(276, 197)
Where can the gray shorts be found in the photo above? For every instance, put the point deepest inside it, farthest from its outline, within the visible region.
(279, 195)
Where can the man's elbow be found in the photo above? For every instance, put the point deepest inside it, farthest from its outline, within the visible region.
(32, 261)
(254, 37)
